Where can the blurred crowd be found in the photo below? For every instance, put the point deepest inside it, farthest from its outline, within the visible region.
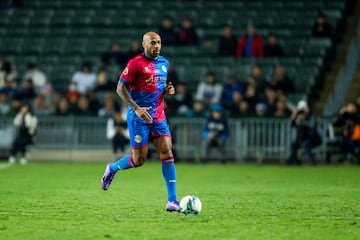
(92, 93)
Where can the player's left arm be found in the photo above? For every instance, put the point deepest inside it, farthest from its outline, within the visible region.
(169, 89)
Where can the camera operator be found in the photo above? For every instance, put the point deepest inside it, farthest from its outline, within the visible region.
(307, 136)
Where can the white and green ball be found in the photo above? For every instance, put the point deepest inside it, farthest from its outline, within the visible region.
(190, 205)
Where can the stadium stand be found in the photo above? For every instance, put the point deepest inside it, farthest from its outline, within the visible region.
(61, 34)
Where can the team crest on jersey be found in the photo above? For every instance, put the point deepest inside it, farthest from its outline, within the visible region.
(146, 70)
(138, 139)
(163, 67)
(126, 71)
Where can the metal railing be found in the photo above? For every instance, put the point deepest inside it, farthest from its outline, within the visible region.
(257, 138)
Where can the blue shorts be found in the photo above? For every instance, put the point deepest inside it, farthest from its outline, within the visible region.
(141, 132)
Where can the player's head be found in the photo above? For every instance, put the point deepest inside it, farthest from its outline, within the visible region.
(151, 44)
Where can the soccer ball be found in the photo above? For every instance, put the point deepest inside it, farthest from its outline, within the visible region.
(190, 205)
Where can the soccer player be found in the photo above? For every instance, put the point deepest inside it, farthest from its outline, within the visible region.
(142, 86)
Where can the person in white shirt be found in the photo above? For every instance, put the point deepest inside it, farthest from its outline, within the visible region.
(38, 77)
(209, 91)
(84, 80)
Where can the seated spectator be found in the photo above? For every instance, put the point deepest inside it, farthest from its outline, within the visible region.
(281, 81)
(272, 48)
(251, 94)
(167, 31)
(15, 107)
(250, 44)
(270, 100)
(197, 111)
(108, 109)
(181, 102)
(7, 73)
(258, 77)
(4, 103)
(306, 137)
(85, 79)
(227, 42)
(103, 81)
(242, 110)
(38, 77)
(209, 91)
(281, 109)
(349, 121)
(94, 104)
(114, 56)
(321, 28)
(40, 106)
(187, 33)
(261, 110)
(72, 96)
(9, 88)
(62, 107)
(117, 132)
(82, 109)
(27, 91)
(215, 133)
(135, 49)
(231, 88)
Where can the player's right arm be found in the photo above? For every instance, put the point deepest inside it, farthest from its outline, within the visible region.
(141, 112)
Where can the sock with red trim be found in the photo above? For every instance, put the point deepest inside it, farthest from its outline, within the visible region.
(169, 173)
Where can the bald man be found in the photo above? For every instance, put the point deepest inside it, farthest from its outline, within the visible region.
(142, 86)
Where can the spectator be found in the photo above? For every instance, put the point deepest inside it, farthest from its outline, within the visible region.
(187, 33)
(84, 80)
(114, 56)
(15, 107)
(281, 81)
(281, 108)
(134, 50)
(94, 104)
(232, 89)
(197, 111)
(250, 44)
(209, 91)
(4, 103)
(7, 73)
(242, 110)
(38, 77)
(117, 132)
(103, 81)
(62, 107)
(215, 133)
(307, 136)
(26, 124)
(82, 109)
(321, 28)
(258, 77)
(261, 110)
(227, 42)
(349, 121)
(41, 108)
(108, 110)
(27, 92)
(270, 100)
(251, 94)
(272, 48)
(181, 102)
(167, 32)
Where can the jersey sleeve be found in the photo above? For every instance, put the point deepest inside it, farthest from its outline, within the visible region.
(129, 73)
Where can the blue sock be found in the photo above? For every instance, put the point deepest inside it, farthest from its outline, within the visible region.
(169, 173)
(123, 163)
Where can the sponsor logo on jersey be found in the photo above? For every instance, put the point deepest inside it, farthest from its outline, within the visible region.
(126, 71)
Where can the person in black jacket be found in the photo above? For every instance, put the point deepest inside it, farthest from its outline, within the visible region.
(306, 134)
(227, 42)
(26, 124)
(117, 132)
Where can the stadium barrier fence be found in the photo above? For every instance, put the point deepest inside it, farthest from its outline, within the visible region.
(250, 138)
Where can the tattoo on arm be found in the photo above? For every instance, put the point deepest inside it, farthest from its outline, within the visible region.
(123, 92)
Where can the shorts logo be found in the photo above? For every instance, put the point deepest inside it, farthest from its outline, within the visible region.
(138, 139)
(163, 67)
(126, 71)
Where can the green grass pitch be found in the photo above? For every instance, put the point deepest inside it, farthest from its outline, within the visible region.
(65, 201)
